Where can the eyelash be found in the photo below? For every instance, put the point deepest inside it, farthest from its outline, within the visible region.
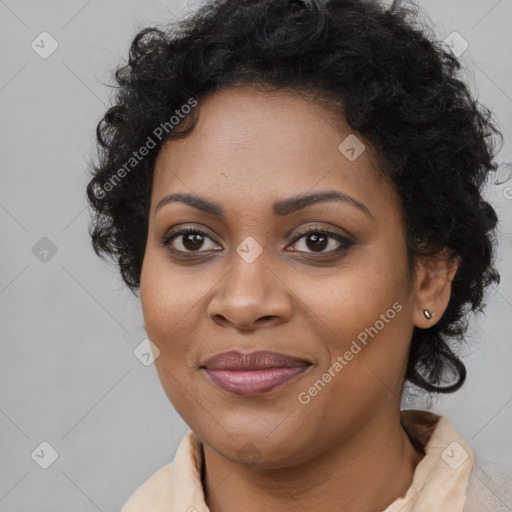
(345, 242)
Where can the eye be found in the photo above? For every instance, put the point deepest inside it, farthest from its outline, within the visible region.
(193, 240)
(188, 240)
(319, 239)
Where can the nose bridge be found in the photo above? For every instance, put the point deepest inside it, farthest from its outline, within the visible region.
(249, 292)
(249, 273)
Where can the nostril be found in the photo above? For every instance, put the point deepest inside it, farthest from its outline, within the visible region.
(221, 319)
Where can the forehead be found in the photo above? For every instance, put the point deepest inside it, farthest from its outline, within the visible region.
(257, 146)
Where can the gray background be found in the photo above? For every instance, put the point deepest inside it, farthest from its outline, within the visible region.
(68, 374)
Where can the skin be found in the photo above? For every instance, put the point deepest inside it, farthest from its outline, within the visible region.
(345, 449)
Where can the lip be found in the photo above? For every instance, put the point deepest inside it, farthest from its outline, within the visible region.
(260, 360)
(253, 373)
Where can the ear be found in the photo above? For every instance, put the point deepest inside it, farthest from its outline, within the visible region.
(433, 286)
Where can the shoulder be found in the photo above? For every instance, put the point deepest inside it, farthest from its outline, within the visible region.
(154, 492)
(489, 488)
(177, 482)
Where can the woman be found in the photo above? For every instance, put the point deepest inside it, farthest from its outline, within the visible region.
(295, 190)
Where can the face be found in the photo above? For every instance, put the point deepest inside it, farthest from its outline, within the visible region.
(323, 280)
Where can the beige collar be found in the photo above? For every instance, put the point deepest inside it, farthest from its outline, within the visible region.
(439, 482)
(441, 477)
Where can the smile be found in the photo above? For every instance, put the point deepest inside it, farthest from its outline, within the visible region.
(253, 382)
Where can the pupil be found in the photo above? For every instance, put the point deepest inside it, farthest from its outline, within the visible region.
(319, 241)
(193, 241)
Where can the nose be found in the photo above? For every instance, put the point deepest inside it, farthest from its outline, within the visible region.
(250, 296)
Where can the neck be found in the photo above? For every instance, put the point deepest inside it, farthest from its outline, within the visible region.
(366, 472)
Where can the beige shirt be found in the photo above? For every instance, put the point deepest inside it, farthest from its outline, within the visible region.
(447, 479)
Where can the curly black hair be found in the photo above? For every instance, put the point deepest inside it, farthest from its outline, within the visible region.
(394, 84)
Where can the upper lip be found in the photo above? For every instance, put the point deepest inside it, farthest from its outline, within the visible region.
(263, 359)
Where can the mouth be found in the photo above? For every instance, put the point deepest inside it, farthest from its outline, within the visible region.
(253, 373)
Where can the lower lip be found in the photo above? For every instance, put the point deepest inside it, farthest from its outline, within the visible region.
(253, 382)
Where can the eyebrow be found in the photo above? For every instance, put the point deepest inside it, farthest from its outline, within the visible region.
(280, 208)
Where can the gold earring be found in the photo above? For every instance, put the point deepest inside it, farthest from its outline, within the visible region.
(428, 314)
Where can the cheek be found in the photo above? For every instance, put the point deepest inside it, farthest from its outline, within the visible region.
(365, 309)
(173, 304)
(166, 295)
(167, 306)
(355, 296)
(162, 309)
